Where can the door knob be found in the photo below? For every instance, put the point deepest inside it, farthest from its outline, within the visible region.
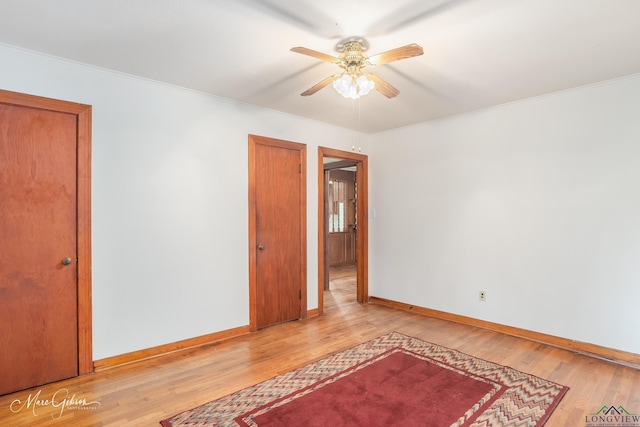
(261, 247)
(66, 261)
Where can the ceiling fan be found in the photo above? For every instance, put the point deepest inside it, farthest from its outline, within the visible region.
(352, 82)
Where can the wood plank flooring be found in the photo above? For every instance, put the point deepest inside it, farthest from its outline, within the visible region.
(143, 393)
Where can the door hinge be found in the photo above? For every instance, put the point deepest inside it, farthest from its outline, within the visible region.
(299, 167)
(300, 294)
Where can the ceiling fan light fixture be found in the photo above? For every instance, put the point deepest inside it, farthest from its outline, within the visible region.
(352, 83)
(351, 87)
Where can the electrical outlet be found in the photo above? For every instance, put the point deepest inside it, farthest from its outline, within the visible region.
(483, 296)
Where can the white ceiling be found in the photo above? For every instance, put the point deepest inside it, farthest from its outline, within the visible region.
(478, 53)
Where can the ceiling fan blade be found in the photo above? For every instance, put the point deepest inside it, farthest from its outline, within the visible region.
(315, 54)
(408, 51)
(313, 89)
(383, 87)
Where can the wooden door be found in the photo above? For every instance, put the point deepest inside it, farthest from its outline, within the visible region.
(342, 207)
(39, 298)
(277, 231)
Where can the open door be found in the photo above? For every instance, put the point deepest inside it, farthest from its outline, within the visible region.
(342, 207)
(359, 161)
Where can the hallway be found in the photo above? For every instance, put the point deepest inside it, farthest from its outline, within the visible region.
(342, 287)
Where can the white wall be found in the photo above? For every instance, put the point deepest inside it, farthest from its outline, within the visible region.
(170, 202)
(536, 202)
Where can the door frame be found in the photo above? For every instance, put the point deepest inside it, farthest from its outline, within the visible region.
(362, 245)
(253, 243)
(83, 205)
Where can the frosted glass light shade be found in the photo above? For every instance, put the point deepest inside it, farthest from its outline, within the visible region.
(352, 87)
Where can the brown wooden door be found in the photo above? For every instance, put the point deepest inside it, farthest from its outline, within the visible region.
(278, 242)
(38, 290)
(342, 207)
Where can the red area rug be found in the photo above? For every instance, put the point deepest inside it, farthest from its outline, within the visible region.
(393, 380)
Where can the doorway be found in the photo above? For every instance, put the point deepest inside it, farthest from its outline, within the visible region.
(45, 259)
(341, 212)
(277, 232)
(357, 235)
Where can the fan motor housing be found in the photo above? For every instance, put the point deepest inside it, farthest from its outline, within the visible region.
(352, 55)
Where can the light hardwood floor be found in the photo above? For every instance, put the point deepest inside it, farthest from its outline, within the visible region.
(143, 393)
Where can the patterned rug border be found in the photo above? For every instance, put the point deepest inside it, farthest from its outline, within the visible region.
(523, 389)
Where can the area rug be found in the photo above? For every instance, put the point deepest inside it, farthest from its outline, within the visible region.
(393, 380)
